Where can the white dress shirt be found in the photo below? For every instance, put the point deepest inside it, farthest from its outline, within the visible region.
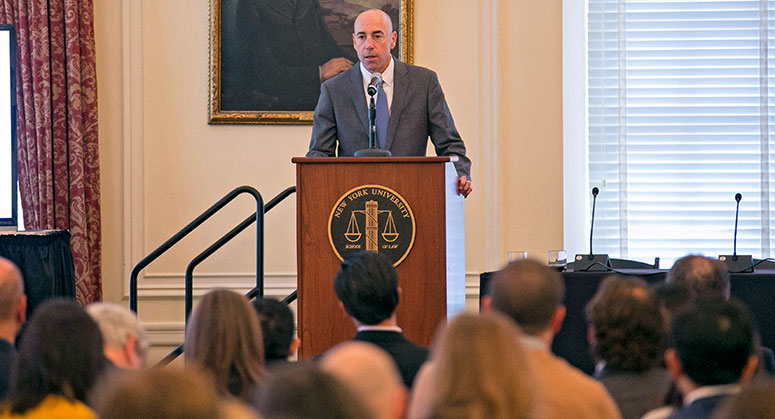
(387, 83)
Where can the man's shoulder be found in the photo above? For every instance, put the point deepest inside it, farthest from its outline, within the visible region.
(568, 388)
(413, 71)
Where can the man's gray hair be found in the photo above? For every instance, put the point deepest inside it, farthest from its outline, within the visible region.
(117, 323)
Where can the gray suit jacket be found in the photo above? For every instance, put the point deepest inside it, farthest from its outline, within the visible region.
(418, 110)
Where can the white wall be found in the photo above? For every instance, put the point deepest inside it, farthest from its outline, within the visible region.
(499, 63)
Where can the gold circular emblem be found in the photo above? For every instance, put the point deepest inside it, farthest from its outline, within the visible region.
(372, 218)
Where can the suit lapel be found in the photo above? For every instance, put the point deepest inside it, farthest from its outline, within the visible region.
(400, 85)
(358, 95)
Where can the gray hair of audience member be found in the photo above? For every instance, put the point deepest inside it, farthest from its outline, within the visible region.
(118, 324)
(753, 402)
(161, 393)
(480, 370)
(304, 391)
(372, 374)
(703, 275)
(11, 288)
(529, 293)
(630, 324)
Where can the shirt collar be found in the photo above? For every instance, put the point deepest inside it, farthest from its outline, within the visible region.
(710, 391)
(387, 76)
(529, 341)
(367, 328)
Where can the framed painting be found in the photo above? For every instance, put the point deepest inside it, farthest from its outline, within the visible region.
(269, 57)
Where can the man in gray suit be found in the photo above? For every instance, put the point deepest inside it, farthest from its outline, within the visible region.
(417, 108)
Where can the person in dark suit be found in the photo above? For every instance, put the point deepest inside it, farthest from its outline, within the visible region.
(705, 276)
(367, 288)
(711, 354)
(13, 308)
(417, 108)
(628, 331)
(275, 54)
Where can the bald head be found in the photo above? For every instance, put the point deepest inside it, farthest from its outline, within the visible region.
(373, 15)
(11, 288)
(529, 293)
(702, 275)
(371, 374)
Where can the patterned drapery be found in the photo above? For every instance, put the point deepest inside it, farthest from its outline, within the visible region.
(56, 94)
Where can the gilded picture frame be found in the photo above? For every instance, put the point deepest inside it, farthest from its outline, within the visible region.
(259, 75)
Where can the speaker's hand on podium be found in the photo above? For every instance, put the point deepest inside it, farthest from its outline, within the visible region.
(464, 186)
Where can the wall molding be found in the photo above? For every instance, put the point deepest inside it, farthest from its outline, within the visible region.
(276, 284)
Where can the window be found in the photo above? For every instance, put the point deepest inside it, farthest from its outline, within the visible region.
(678, 100)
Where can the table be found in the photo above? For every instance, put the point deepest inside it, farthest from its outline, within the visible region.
(756, 290)
(46, 262)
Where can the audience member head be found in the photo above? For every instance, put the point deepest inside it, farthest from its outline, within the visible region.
(367, 287)
(712, 344)
(223, 337)
(703, 275)
(628, 324)
(161, 393)
(676, 297)
(60, 354)
(124, 339)
(480, 370)
(13, 302)
(304, 391)
(529, 293)
(372, 374)
(753, 402)
(277, 328)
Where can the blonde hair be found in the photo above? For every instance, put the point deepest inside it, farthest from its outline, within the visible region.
(223, 337)
(480, 370)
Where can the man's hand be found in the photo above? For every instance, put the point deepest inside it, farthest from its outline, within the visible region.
(333, 67)
(464, 186)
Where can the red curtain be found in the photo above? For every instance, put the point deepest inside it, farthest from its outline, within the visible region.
(58, 159)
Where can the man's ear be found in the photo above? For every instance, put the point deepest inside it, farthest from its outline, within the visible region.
(673, 363)
(129, 351)
(749, 369)
(557, 318)
(343, 308)
(20, 315)
(591, 334)
(295, 343)
(486, 304)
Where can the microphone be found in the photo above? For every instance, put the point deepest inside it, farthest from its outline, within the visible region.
(376, 78)
(591, 262)
(373, 150)
(595, 191)
(735, 263)
(738, 197)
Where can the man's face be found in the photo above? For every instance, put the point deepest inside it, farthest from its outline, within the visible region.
(373, 39)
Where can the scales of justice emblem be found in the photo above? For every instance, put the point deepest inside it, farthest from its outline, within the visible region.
(372, 218)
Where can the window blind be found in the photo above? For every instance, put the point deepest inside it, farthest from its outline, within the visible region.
(679, 118)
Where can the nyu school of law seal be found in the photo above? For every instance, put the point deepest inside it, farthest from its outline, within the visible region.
(371, 218)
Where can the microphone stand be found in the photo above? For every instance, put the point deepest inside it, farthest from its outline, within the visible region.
(737, 263)
(591, 262)
(373, 150)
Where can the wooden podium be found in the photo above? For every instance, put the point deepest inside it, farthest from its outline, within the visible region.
(350, 204)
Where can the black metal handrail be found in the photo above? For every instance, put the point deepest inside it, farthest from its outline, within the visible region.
(222, 241)
(259, 216)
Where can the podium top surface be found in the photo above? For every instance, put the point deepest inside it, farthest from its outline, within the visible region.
(328, 160)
